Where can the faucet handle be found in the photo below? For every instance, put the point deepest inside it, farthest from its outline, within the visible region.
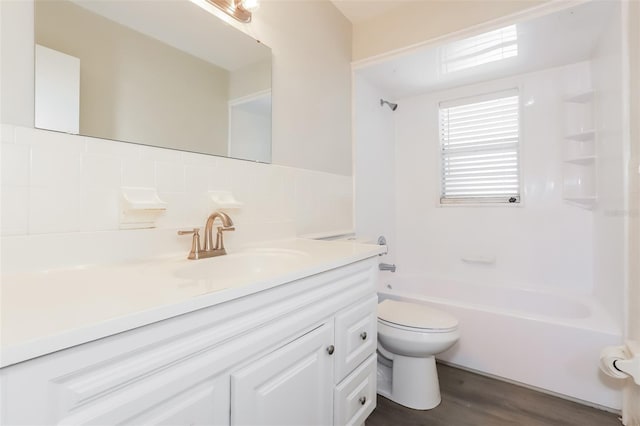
(195, 243)
(194, 231)
(219, 238)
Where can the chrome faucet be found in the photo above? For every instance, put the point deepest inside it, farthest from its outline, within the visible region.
(210, 250)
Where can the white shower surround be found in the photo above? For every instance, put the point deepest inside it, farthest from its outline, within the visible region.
(557, 286)
(543, 339)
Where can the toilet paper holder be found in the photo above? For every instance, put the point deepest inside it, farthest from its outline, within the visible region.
(621, 362)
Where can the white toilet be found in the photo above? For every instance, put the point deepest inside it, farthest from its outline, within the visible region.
(409, 337)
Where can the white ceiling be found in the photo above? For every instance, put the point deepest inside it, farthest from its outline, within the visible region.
(361, 10)
(563, 38)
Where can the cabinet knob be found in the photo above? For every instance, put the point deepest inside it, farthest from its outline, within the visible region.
(330, 349)
(363, 400)
(363, 335)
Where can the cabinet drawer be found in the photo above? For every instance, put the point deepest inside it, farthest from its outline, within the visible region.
(356, 336)
(355, 397)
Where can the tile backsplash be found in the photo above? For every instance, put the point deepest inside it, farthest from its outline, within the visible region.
(56, 185)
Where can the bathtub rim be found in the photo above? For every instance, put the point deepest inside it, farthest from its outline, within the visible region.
(597, 320)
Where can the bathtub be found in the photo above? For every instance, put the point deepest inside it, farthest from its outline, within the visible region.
(545, 340)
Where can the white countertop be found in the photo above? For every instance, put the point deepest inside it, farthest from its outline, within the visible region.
(46, 311)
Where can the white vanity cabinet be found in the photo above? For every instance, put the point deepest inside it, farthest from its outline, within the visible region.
(299, 353)
(290, 386)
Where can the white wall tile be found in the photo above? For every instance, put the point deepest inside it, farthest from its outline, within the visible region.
(53, 210)
(15, 210)
(138, 172)
(15, 164)
(100, 171)
(285, 207)
(55, 166)
(324, 202)
(71, 184)
(180, 212)
(257, 186)
(98, 209)
(220, 176)
(197, 179)
(170, 177)
(7, 133)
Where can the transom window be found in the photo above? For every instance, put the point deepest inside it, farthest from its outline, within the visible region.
(479, 141)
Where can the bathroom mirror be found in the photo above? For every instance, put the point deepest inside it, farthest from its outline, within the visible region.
(167, 74)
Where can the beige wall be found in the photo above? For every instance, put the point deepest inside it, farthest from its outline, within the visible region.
(418, 21)
(16, 61)
(311, 44)
(250, 80)
(129, 96)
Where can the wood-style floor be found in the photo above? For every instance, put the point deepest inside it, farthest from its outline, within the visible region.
(469, 399)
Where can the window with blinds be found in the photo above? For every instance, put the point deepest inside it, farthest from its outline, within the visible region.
(479, 140)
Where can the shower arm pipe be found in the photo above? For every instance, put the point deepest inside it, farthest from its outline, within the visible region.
(390, 104)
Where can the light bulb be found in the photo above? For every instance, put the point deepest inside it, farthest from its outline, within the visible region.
(250, 5)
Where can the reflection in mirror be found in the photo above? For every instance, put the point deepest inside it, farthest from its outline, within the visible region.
(166, 74)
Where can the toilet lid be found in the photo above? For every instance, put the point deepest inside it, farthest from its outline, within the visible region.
(415, 315)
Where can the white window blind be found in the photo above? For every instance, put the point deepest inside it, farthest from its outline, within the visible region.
(479, 140)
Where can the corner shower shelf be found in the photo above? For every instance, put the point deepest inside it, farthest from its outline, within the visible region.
(587, 202)
(584, 161)
(580, 98)
(580, 153)
(586, 135)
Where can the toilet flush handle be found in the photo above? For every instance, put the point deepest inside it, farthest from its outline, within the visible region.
(363, 335)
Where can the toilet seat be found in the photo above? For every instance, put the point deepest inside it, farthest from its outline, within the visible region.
(414, 317)
(417, 329)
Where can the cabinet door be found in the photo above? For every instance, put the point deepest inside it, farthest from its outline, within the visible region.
(290, 386)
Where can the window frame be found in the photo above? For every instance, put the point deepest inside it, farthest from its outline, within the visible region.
(470, 98)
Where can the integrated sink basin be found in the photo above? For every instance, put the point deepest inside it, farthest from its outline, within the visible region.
(79, 304)
(254, 262)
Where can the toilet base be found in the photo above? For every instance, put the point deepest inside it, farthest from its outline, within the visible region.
(414, 382)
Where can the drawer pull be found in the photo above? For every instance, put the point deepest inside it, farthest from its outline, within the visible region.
(363, 400)
(330, 349)
(363, 335)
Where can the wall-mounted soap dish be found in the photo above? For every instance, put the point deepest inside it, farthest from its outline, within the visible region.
(140, 208)
(224, 200)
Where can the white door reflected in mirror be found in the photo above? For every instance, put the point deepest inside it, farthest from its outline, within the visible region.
(57, 89)
(250, 127)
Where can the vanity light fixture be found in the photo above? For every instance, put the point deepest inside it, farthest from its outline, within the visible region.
(238, 9)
